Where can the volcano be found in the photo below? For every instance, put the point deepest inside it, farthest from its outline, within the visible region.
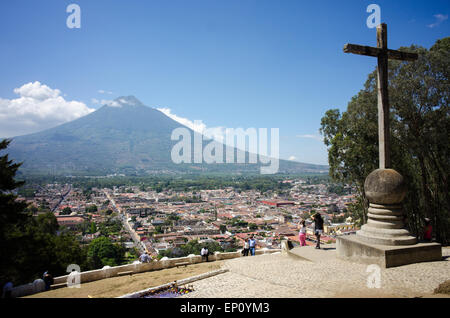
(124, 137)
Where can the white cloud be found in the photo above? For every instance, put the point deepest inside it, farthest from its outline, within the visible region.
(124, 101)
(439, 19)
(111, 103)
(316, 137)
(37, 91)
(38, 107)
(216, 133)
(101, 91)
(107, 102)
(196, 125)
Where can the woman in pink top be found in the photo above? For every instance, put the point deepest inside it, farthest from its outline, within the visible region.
(302, 233)
(427, 230)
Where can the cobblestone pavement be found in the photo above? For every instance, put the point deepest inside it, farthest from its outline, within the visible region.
(281, 276)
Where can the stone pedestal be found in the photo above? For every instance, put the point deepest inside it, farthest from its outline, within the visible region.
(385, 226)
(385, 189)
(383, 239)
(351, 248)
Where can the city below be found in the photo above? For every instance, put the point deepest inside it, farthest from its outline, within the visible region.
(160, 222)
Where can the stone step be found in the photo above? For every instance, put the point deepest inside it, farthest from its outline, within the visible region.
(310, 253)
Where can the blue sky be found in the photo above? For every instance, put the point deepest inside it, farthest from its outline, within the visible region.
(247, 63)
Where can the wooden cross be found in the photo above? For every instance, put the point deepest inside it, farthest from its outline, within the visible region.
(383, 54)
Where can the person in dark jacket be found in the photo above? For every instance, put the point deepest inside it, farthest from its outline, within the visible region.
(246, 247)
(48, 280)
(7, 290)
(318, 228)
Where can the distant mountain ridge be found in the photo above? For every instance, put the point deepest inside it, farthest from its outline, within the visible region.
(124, 136)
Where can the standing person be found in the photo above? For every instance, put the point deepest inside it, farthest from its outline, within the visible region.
(204, 253)
(48, 280)
(318, 228)
(246, 247)
(252, 245)
(302, 233)
(7, 290)
(427, 230)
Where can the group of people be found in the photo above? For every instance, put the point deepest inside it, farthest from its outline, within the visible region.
(318, 230)
(249, 246)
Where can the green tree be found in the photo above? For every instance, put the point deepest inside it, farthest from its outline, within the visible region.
(252, 226)
(158, 229)
(103, 252)
(29, 245)
(91, 208)
(194, 247)
(92, 228)
(12, 211)
(40, 246)
(66, 211)
(173, 253)
(420, 129)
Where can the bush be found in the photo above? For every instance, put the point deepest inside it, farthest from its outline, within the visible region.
(91, 208)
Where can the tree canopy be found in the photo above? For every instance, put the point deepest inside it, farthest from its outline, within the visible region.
(102, 251)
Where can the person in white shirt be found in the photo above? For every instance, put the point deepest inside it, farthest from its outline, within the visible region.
(204, 253)
(252, 245)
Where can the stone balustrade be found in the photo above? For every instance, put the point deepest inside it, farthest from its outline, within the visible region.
(35, 287)
(107, 272)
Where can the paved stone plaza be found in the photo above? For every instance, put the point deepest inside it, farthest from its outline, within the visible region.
(280, 275)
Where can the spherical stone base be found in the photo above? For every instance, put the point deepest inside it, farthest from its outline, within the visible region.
(385, 186)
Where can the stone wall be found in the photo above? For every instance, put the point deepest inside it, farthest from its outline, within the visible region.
(107, 272)
(28, 289)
